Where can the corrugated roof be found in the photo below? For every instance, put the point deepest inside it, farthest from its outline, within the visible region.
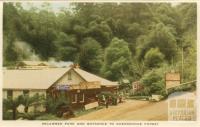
(91, 78)
(34, 63)
(31, 79)
(44, 78)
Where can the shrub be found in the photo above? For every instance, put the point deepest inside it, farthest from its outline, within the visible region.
(7, 115)
(29, 116)
(139, 97)
(47, 117)
(186, 87)
(53, 105)
(153, 82)
(11, 104)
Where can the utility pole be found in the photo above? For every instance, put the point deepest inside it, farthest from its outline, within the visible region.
(182, 61)
(182, 66)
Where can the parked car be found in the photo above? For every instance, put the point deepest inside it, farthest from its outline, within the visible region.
(65, 111)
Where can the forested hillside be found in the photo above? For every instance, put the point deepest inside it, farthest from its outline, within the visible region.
(116, 41)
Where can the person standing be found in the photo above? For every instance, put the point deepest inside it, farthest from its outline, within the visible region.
(120, 98)
(107, 102)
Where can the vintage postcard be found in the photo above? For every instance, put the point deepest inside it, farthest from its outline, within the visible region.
(69, 63)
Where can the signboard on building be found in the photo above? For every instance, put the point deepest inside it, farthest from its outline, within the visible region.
(62, 87)
(172, 79)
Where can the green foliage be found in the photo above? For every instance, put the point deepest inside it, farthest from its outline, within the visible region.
(124, 86)
(161, 37)
(47, 117)
(101, 32)
(38, 116)
(188, 14)
(139, 97)
(66, 49)
(117, 60)
(185, 87)
(123, 34)
(153, 82)
(28, 101)
(29, 116)
(11, 104)
(90, 56)
(153, 58)
(53, 104)
(7, 115)
(9, 34)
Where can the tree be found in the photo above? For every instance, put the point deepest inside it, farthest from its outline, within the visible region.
(11, 104)
(90, 56)
(142, 26)
(53, 104)
(100, 32)
(66, 47)
(153, 58)
(188, 13)
(153, 82)
(161, 37)
(117, 60)
(28, 101)
(11, 24)
(39, 30)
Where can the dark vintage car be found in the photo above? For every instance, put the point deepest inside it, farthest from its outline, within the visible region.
(65, 111)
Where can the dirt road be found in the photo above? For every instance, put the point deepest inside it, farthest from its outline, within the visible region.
(130, 110)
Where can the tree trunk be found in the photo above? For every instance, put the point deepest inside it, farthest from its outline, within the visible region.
(14, 113)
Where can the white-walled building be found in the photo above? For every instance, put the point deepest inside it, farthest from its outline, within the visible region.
(79, 86)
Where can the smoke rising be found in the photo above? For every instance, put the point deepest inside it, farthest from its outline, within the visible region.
(25, 51)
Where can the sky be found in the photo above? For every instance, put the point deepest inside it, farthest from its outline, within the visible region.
(56, 6)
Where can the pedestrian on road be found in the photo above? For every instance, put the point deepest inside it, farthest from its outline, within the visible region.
(107, 102)
(120, 98)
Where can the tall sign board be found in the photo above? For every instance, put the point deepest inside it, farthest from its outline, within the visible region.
(172, 79)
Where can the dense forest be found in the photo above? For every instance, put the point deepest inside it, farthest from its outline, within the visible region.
(116, 41)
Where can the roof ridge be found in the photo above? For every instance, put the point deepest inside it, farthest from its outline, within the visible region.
(88, 77)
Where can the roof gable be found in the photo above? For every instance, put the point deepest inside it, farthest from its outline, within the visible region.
(89, 77)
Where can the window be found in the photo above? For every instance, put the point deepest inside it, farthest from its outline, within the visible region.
(25, 92)
(9, 94)
(74, 98)
(81, 97)
(69, 76)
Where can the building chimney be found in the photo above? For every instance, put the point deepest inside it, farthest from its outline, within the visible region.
(75, 66)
